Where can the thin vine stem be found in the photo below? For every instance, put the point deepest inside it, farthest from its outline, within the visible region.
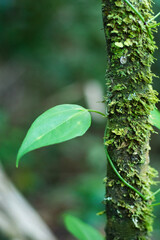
(140, 17)
(149, 32)
(135, 10)
(129, 185)
(155, 204)
(155, 193)
(153, 26)
(117, 173)
(152, 19)
(121, 178)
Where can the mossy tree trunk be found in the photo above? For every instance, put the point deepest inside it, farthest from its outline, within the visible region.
(130, 99)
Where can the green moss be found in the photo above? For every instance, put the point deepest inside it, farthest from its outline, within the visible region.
(130, 99)
(119, 44)
(128, 42)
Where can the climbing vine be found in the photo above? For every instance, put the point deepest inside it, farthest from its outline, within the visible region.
(130, 99)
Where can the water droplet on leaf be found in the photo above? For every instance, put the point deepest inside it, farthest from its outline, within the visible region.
(123, 60)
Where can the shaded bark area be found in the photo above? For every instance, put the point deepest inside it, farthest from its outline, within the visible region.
(130, 99)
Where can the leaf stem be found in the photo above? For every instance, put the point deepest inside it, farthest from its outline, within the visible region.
(90, 110)
(155, 193)
(155, 25)
(152, 19)
(155, 204)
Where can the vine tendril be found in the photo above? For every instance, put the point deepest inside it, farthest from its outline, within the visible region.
(140, 17)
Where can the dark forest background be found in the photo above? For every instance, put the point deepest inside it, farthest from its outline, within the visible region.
(53, 52)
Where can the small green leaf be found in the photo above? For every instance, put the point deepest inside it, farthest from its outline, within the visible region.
(56, 125)
(155, 118)
(128, 42)
(119, 44)
(81, 230)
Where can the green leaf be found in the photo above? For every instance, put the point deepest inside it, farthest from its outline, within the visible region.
(155, 118)
(119, 44)
(56, 125)
(81, 230)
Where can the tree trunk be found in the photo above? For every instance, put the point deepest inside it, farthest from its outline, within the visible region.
(130, 99)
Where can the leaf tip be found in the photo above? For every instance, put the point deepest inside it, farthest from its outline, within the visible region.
(17, 163)
(18, 159)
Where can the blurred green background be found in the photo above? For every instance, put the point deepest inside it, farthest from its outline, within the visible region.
(53, 52)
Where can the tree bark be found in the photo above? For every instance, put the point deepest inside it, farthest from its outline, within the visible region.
(130, 99)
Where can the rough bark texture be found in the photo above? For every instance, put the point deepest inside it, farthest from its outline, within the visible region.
(130, 99)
